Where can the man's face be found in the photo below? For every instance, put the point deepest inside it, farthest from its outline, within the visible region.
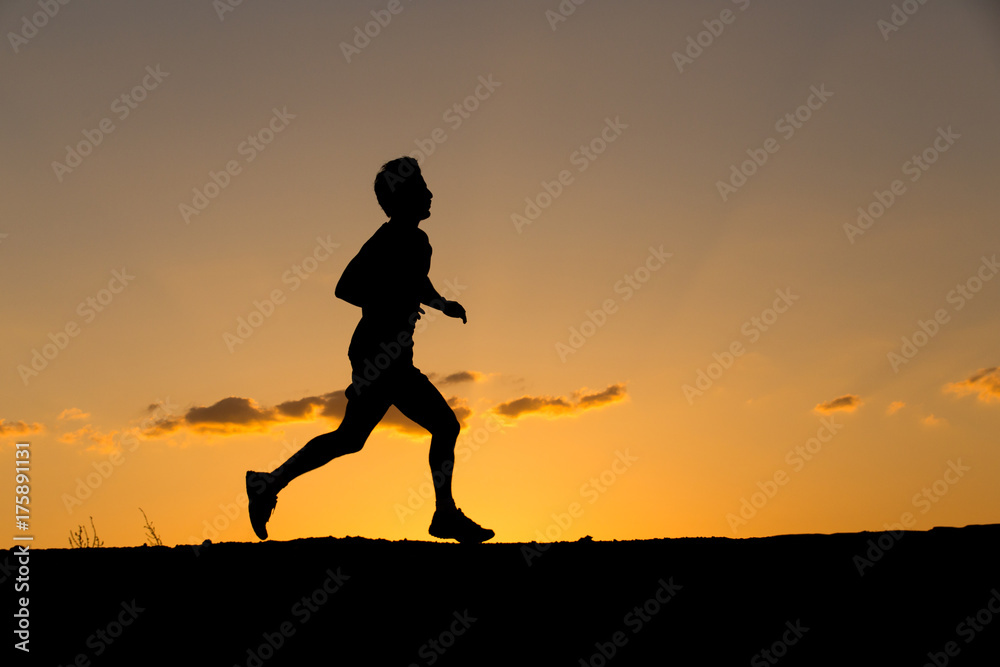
(416, 200)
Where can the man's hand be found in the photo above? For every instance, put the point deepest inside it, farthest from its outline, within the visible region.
(454, 309)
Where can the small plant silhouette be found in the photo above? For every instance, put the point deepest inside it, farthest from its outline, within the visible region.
(152, 539)
(80, 539)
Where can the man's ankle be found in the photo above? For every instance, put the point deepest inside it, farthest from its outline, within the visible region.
(446, 506)
(273, 483)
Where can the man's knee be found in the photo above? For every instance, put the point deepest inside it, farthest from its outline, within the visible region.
(351, 438)
(354, 445)
(448, 427)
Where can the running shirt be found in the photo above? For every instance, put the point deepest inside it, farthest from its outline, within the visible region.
(388, 280)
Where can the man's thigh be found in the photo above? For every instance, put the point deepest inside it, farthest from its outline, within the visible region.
(365, 409)
(419, 400)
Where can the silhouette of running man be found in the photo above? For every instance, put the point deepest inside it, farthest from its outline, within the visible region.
(388, 280)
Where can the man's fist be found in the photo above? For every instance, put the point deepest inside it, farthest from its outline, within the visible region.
(454, 309)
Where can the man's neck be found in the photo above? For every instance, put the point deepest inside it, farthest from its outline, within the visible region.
(404, 222)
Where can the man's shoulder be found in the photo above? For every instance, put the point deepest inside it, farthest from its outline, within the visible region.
(396, 233)
(379, 236)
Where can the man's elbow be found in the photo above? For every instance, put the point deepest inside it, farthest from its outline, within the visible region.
(348, 296)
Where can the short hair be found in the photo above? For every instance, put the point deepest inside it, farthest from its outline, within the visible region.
(389, 179)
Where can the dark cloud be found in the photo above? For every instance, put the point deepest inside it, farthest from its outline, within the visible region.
(558, 406)
(985, 382)
(456, 378)
(235, 414)
(528, 404)
(615, 392)
(847, 403)
(233, 411)
(302, 407)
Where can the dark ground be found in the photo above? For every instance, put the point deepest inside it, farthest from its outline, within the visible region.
(354, 601)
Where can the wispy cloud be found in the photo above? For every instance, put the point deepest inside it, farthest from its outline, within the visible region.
(895, 407)
(985, 382)
(931, 420)
(19, 427)
(73, 413)
(95, 439)
(846, 403)
(559, 406)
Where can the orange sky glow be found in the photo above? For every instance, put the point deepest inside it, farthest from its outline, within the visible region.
(730, 269)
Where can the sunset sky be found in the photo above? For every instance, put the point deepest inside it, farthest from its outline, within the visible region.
(730, 267)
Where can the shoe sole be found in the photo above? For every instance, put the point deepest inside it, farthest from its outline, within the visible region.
(442, 536)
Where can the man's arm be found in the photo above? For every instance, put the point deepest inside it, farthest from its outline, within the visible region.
(429, 296)
(352, 283)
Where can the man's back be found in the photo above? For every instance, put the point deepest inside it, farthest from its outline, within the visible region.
(387, 279)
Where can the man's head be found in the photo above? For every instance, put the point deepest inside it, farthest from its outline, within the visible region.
(401, 190)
